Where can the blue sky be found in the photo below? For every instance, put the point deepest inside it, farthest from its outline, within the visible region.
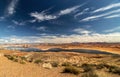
(56, 21)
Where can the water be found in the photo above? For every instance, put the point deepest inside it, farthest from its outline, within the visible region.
(58, 50)
(79, 51)
(23, 49)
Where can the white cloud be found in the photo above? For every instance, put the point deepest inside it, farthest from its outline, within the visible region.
(112, 16)
(11, 7)
(82, 12)
(18, 23)
(2, 18)
(42, 16)
(113, 29)
(107, 7)
(99, 16)
(82, 31)
(11, 27)
(68, 10)
(95, 37)
(41, 28)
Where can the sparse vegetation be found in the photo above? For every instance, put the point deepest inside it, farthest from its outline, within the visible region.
(87, 67)
(38, 61)
(90, 74)
(66, 64)
(72, 70)
(22, 62)
(114, 69)
(55, 64)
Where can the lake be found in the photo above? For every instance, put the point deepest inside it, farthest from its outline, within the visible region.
(57, 50)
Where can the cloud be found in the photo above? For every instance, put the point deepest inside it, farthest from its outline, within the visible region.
(107, 7)
(113, 29)
(41, 28)
(94, 17)
(11, 27)
(42, 16)
(82, 31)
(82, 12)
(112, 16)
(11, 7)
(68, 10)
(18, 23)
(2, 18)
(94, 37)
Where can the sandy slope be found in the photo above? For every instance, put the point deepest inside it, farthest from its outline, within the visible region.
(13, 69)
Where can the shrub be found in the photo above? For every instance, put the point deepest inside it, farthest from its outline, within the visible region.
(9, 57)
(55, 64)
(23, 58)
(87, 67)
(101, 66)
(15, 60)
(22, 62)
(37, 61)
(90, 74)
(66, 64)
(71, 69)
(114, 69)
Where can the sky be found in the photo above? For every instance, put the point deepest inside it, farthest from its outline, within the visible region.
(59, 21)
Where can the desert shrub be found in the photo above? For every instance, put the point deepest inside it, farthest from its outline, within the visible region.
(23, 58)
(101, 66)
(38, 61)
(22, 62)
(55, 64)
(90, 74)
(72, 70)
(15, 60)
(10, 57)
(66, 64)
(87, 67)
(114, 69)
(115, 56)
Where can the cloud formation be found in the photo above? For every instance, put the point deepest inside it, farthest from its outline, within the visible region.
(43, 16)
(41, 28)
(112, 16)
(82, 12)
(82, 31)
(94, 17)
(113, 29)
(107, 7)
(11, 7)
(95, 37)
(68, 10)
(18, 23)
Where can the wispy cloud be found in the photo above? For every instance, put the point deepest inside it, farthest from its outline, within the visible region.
(11, 27)
(19, 23)
(107, 7)
(2, 18)
(41, 28)
(113, 29)
(94, 17)
(82, 12)
(43, 16)
(11, 7)
(112, 16)
(68, 10)
(82, 31)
